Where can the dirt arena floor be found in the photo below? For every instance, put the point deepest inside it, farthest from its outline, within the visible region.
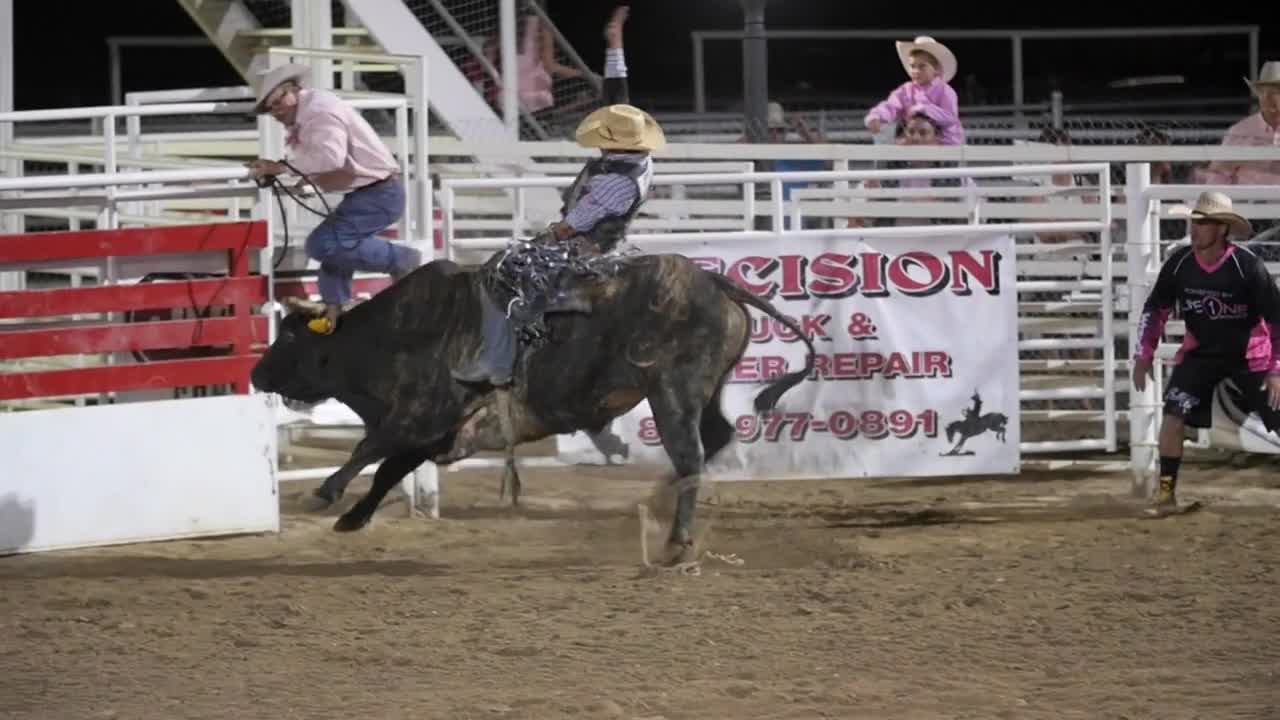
(1042, 596)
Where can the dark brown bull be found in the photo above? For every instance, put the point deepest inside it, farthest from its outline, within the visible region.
(661, 329)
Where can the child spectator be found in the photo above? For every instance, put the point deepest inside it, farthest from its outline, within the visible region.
(931, 66)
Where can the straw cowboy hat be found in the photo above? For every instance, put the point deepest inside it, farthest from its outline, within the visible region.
(1268, 76)
(269, 80)
(1215, 206)
(924, 43)
(621, 127)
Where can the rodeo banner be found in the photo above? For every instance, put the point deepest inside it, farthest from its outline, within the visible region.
(916, 371)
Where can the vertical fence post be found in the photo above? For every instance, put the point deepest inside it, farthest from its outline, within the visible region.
(422, 487)
(1143, 260)
(1108, 313)
(421, 158)
(507, 41)
(699, 77)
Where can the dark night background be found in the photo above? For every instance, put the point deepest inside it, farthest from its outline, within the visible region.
(660, 57)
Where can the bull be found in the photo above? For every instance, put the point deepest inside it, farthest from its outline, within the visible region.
(660, 329)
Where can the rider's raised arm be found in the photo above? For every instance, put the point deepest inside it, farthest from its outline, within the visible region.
(615, 64)
(1159, 304)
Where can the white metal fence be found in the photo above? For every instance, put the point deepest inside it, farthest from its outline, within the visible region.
(705, 190)
(1075, 292)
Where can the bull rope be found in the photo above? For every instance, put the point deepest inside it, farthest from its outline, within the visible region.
(692, 568)
(273, 182)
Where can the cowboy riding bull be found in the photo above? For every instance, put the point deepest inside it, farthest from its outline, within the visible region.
(660, 329)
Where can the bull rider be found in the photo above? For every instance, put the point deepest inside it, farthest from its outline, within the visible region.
(598, 207)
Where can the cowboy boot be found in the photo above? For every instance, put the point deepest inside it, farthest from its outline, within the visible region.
(497, 350)
(1165, 496)
(328, 321)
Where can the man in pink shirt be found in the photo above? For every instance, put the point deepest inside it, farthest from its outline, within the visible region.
(1261, 129)
(332, 145)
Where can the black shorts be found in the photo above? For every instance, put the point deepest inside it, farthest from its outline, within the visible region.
(1189, 392)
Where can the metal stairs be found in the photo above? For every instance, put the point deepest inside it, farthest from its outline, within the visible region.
(454, 33)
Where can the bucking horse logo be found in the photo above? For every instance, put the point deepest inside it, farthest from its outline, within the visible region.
(974, 423)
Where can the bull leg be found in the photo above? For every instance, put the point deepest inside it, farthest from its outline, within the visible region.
(678, 418)
(609, 443)
(389, 474)
(715, 430)
(510, 477)
(366, 451)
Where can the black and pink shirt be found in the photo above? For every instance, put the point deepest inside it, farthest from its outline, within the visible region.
(1231, 308)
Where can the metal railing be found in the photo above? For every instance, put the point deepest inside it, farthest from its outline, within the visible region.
(1016, 38)
(1101, 289)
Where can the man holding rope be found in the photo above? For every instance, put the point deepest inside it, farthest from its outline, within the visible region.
(335, 149)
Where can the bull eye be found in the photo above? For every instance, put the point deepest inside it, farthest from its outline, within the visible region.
(323, 360)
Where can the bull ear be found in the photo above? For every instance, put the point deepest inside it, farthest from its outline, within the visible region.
(306, 307)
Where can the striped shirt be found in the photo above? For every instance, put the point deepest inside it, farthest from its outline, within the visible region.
(610, 194)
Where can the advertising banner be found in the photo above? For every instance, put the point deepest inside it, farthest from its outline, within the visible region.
(916, 372)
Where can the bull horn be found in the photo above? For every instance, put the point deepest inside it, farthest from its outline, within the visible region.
(297, 304)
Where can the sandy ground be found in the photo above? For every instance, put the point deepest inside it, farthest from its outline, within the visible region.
(1043, 596)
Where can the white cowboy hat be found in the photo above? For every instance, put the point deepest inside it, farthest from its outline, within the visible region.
(777, 118)
(1215, 206)
(269, 80)
(924, 43)
(1269, 75)
(621, 127)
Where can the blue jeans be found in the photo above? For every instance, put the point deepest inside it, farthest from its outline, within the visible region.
(345, 241)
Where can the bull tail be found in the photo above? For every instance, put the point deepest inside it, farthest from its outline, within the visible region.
(769, 397)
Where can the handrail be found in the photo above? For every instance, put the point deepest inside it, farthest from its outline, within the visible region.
(112, 111)
(1037, 153)
(47, 182)
(804, 176)
(998, 33)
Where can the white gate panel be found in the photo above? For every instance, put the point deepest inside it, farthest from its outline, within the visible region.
(105, 475)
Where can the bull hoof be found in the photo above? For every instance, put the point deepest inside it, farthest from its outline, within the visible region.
(678, 554)
(321, 499)
(350, 522)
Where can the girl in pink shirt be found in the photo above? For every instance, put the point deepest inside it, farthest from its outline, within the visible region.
(931, 66)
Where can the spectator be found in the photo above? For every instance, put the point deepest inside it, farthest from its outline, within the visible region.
(779, 123)
(536, 68)
(930, 65)
(1060, 136)
(1259, 129)
(923, 126)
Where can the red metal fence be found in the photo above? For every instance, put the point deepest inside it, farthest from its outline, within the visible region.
(230, 341)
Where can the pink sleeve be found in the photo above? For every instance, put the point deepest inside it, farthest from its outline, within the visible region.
(948, 104)
(1273, 331)
(890, 109)
(1150, 327)
(322, 145)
